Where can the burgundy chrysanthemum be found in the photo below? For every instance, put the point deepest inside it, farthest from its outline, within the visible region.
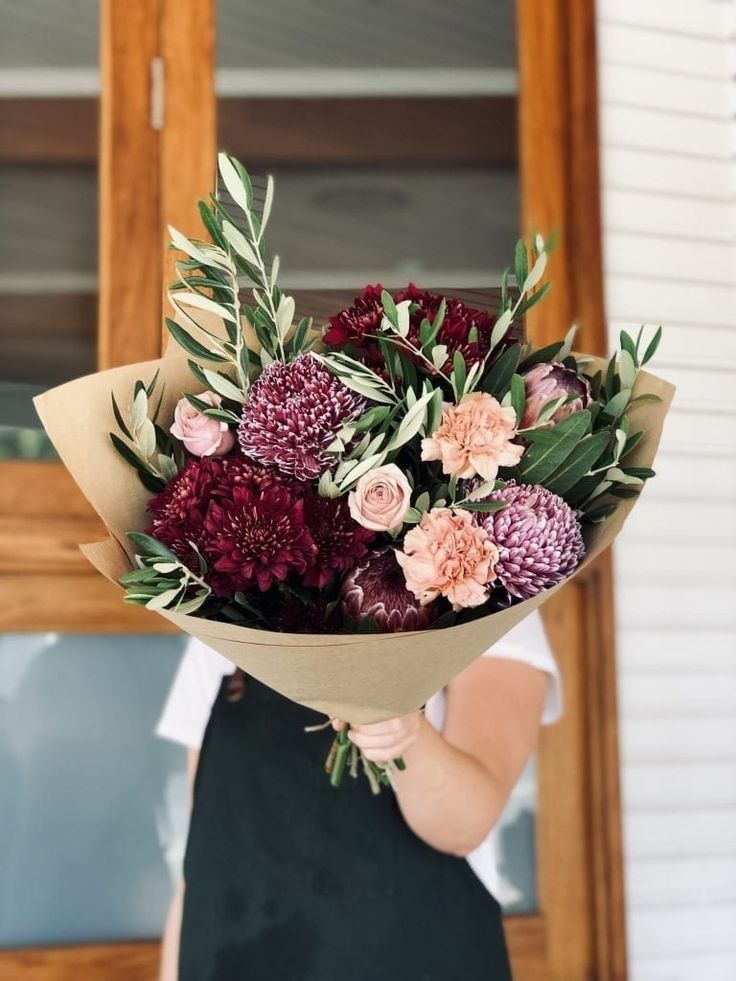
(376, 588)
(294, 413)
(340, 540)
(178, 512)
(538, 537)
(239, 471)
(357, 325)
(256, 537)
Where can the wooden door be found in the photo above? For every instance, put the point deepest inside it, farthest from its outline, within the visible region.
(157, 148)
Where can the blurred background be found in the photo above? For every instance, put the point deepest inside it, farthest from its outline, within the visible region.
(410, 140)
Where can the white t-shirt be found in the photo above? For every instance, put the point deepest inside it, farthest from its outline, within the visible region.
(200, 673)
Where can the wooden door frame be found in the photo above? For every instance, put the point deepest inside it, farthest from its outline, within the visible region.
(578, 934)
(580, 869)
(151, 172)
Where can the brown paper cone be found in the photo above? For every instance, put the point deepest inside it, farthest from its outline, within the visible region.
(358, 677)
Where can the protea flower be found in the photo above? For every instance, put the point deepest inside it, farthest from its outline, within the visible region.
(538, 538)
(294, 413)
(376, 588)
(548, 381)
(340, 540)
(254, 538)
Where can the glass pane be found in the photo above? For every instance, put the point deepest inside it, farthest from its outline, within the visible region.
(48, 200)
(93, 812)
(515, 843)
(390, 129)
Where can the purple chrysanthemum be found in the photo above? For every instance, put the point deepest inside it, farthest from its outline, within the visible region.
(377, 588)
(294, 413)
(538, 537)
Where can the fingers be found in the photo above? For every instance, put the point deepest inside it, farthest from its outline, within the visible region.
(389, 753)
(383, 741)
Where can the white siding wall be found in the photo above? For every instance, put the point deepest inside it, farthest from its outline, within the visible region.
(668, 101)
(667, 105)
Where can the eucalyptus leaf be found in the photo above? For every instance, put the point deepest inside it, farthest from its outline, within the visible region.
(203, 303)
(578, 463)
(535, 274)
(616, 406)
(240, 243)
(190, 345)
(239, 191)
(223, 386)
(498, 379)
(518, 396)
(267, 205)
(161, 601)
(652, 346)
(500, 328)
(389, 309)
(486, 506)
(540, 461)
(626, 369)
(150, 546)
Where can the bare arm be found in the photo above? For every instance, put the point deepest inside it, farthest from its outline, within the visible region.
(169, 968)
(456, 783)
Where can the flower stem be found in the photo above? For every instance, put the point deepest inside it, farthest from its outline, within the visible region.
(341, 755)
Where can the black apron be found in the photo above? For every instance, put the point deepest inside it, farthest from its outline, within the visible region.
(289, 879)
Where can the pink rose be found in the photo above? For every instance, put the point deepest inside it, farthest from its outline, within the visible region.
(381, 498)
(548, 381)
(474, 438)
(447, 554)
(201, 435)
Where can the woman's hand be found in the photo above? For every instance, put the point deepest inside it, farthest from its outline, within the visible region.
(384, 741)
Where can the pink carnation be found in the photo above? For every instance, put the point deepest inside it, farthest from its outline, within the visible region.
(445, 556)
(474, 438)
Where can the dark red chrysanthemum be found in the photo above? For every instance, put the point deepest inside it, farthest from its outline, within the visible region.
(294, 412)
(464, 328)
(179, 510)
(377, 588)
(239, 471)
(340, 540)
(358, 324)
(256, 537)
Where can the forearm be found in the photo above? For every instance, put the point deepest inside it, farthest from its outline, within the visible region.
(169, 966)
(447, 797)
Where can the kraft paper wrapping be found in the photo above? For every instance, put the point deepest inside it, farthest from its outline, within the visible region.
(358, 677)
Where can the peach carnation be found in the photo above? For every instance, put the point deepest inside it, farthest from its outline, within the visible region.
(445, 556)
(474, 438)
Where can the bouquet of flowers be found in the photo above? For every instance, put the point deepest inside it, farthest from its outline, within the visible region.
(352, 513)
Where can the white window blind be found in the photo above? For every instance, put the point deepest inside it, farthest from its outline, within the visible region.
(668, 159)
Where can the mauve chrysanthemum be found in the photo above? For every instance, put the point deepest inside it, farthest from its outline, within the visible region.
(255, 537)
(463, 329)
(340, 540)
(294, 412)
(538, 537)
(376, 588)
